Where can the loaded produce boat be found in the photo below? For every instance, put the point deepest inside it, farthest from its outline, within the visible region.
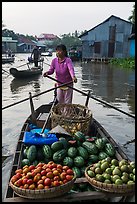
(83, 144)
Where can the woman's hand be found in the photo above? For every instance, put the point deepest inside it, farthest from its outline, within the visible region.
(74, 79)
(45, 74)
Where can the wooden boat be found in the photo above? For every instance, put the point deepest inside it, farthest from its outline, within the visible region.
(26, 73)
(6, 59)
(47, 54)
(75, 55)
(95, 130)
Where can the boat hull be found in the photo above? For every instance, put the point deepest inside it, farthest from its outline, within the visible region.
(26, 73)
(7, 60)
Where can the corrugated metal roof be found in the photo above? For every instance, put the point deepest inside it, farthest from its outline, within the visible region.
(86, 33)
(47, 36)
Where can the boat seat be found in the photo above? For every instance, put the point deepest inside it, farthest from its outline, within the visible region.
(41, 119)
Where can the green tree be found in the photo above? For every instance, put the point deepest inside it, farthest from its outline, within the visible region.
(132, 17)
(70, 40)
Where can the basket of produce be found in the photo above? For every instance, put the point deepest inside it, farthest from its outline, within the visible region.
(71, 117)
(111, 175)
(42, 181)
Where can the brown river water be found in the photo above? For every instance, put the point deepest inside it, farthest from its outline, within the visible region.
(111, 84)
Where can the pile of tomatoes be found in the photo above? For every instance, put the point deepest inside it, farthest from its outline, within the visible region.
(42, 176)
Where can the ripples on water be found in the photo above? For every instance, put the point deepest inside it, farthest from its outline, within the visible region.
(108, 83)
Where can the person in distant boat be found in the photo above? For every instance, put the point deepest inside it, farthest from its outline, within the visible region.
(35, 55)
(63, 67)
(9, 52)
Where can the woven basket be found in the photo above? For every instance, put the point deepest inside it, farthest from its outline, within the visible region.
(44, 193)
(113, 188)
(71, 117)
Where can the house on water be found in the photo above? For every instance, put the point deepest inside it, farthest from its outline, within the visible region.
(109, 39)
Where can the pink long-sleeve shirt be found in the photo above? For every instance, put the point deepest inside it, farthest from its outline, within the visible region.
(64, 70)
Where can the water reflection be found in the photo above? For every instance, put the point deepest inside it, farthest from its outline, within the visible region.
(17, 85)
(108, 83)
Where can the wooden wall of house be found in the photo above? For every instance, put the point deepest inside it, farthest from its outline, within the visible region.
(108, 40)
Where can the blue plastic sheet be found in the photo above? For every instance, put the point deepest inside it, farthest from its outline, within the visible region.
(31, 138)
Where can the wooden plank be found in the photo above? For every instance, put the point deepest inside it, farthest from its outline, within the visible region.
(77, 196)
(87, 195)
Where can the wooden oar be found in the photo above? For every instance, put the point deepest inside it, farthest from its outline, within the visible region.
(93, 97)
(5, 71)
(33, 116)
(86, 103)
(49, 114)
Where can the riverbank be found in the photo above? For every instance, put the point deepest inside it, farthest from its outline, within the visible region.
(125, 63)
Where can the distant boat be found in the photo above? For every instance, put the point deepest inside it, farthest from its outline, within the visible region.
(26, 73)
(47, 54)
(7, 59)
(75, 55)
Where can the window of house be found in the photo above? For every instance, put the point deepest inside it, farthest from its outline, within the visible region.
(97, 46)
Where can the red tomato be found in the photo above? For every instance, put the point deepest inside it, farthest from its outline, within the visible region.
(63, 175)
(47, 182)
(69, 177)
(26, 166)
(59, 166)
(69, 171)
(39, 168)
(19, 171)
(39, 165)
(51, 162)
(24, 181)
(29, 181)
(14, 178)
(65, 167)
(26, 186)
(65, 181)
(29, 175)
(32, 186)
(31, 167)
(33, 173)
(56, 172)
(56, 178)
(26, 170)
(43, 172)
(36, 178)
(54, 165)
(56, 183)
(18, 182)
(43, 177)
(48, 169)
(49, 174)
(46, 187)
(40, 186)
(40, 182)
(44, 166)
(18, 175)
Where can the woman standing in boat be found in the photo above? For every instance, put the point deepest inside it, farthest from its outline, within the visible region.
(63, 67)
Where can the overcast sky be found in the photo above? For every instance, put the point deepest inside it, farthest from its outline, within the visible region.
(34, 18)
